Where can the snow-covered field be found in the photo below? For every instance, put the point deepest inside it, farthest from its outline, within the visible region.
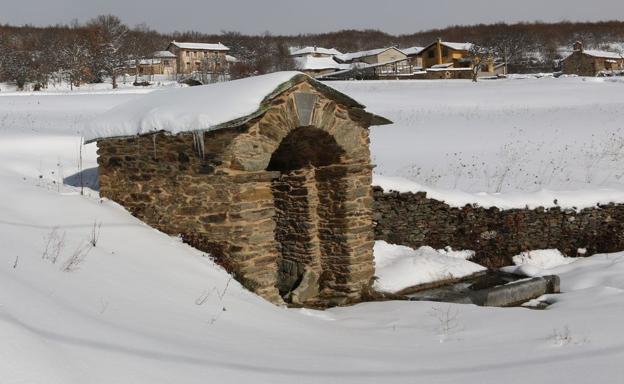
(141, 307)
(499, 136)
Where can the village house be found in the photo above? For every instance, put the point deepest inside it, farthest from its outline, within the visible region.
(199, 57)
(414, 56)
(270, 174)
(447, 60)
(315, 61)
(443, 52)
(373, 56)
(377, 63)
(159, 63)
(315, 66)
(589, 62)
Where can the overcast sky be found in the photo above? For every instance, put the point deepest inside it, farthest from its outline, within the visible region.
(309, 16)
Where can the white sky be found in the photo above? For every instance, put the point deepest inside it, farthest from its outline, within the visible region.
(296, 16)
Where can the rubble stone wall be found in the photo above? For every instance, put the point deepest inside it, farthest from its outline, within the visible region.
(414, 220)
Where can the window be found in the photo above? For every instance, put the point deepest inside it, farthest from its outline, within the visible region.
(445, 52)
(431, 54)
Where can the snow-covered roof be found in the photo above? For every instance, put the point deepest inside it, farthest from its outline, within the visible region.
(311, 63)
(603, 54)
(444, 65)
(458, 46)
(132, 63)
(204, 108)
(356, 55)
(312, 50)
(231, 59)
(411, 51)
(203, 46)
(163, 54)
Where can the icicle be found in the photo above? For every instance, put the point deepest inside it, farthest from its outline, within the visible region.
(154, 145)
(198, 142)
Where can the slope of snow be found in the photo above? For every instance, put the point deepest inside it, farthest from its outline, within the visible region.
(398, 267)
(187, 109)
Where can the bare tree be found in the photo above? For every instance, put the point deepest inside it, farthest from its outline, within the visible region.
(74, 58)
(480, 56)
(510, 45)
(110, 45)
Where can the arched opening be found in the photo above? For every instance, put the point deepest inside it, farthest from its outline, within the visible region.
(306, 196)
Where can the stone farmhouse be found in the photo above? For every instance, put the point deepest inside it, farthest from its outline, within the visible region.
(270, 174)
(586, 62)
(184, 59)
(194, 57)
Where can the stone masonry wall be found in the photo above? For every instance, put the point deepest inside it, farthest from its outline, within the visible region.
(164, 181)
(580, 64)
(414, 220)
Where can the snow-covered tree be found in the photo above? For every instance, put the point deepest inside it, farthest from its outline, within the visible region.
(480, 56)
(74, 58)
(110, 48)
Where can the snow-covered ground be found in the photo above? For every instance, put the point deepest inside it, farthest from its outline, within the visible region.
(141, 307)
(499, 135)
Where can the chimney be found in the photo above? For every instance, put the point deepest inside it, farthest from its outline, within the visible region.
(578, 46)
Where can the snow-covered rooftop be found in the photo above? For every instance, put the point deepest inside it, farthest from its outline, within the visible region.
(204, 46)
(311, 63)
(458, 46)
(231, 59)
(313, 50)
(201, 108)
(163, 54)
(412, 50)
(356, 55)
(444, 65)
(603, 54)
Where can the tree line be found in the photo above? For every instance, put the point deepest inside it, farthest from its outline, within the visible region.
(104, 46)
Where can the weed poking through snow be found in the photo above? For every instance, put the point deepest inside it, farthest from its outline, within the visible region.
(447, 321)
(55, 243)
(220, 294)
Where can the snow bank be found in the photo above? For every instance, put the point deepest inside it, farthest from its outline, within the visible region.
(538, 262)
(398, 267)
(578, 199)
(543, 258)
(187, 109)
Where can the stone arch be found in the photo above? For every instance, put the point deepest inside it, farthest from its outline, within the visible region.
(305, 146)
(312, 223)
(252, 150)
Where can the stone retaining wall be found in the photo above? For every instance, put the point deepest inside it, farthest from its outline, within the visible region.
(496, 235)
